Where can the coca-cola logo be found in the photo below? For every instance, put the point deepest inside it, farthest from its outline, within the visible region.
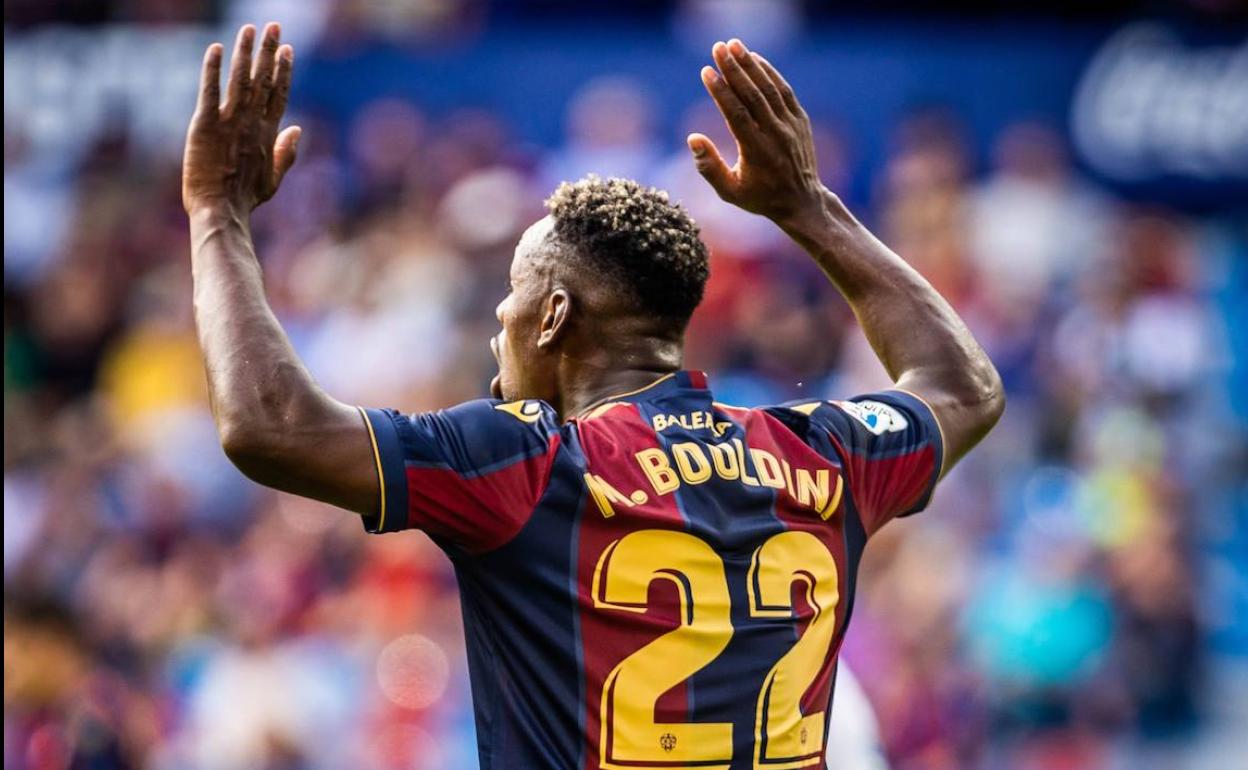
(1148, 105)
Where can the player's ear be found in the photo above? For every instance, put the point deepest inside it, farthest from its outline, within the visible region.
(555, 316)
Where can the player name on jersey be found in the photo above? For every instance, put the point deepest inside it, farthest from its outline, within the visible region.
(695, 462)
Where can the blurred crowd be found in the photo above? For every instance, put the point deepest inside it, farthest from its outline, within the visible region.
(1049, 611)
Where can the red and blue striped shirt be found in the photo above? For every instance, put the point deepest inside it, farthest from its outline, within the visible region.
(663, 581)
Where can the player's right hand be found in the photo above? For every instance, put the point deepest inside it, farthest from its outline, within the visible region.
(235, 156)
(775, 174)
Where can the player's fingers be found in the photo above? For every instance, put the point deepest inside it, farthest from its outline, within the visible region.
(748, 94)
(239, 87)
(263, 68)
(786, 90)
(281, 84)
(711, 165)
(285, 149)
(735, 113)
(758, 76)
(210, 84)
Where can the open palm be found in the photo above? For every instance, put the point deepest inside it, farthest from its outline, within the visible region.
(234, 153)
(775, 174)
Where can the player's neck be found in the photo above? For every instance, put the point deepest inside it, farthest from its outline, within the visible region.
(589, 386)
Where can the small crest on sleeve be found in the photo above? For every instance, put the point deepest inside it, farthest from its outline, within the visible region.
(880, 418)
(525, 411)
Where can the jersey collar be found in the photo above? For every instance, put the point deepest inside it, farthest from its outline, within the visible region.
(682, 379)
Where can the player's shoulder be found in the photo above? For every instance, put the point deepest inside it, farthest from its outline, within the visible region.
(521, 417)
(485, 434)
(880, 413)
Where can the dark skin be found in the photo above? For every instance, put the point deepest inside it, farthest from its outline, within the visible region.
(567, 338)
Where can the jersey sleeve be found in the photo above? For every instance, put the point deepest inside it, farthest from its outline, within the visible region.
(469, 476)
(889, 445)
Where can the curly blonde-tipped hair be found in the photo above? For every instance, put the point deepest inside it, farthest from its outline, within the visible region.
(636, 236)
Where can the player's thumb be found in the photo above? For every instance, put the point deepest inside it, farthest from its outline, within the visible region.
(710, 163)
(285, 150)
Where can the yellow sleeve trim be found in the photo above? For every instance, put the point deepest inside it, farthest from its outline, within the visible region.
(381, 475)
(944, 445)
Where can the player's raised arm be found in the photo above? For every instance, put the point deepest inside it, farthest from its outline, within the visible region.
(921, 341)
(275, 424)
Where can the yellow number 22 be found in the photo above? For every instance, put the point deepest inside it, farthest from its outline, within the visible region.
(784, 737)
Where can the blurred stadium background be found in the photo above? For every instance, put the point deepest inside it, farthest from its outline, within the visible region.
(1074, 176)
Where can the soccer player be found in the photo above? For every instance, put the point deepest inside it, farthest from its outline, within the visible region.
(650, 578)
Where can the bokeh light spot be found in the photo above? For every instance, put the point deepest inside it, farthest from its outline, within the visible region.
(413, 671)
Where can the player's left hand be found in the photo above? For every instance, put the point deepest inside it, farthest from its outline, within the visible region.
(775, 174)
(234, 154)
